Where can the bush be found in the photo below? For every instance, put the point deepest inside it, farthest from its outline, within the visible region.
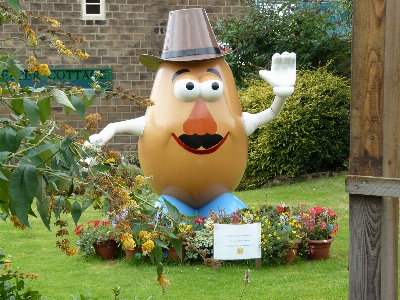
(312, 133)
(259, 31)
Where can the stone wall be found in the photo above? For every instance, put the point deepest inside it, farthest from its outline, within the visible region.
(131, 28)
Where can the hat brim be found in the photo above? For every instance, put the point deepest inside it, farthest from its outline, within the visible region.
(153, 62)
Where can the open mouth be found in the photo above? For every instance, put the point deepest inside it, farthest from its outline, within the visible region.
(200, 144)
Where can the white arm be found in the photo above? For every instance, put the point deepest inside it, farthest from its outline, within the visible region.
(133, 126)
(282, 78)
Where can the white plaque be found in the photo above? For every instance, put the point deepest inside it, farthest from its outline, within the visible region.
(237, 241)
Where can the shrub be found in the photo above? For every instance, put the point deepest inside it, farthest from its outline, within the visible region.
(312, 133)
(259, 31)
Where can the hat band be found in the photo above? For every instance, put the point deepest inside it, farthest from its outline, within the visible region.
(190, 52)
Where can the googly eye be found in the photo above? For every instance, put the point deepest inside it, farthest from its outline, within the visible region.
(211, 90)
(187, 90)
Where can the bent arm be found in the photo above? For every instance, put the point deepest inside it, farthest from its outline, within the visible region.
(282, 78)
(133, 126)
(253, 121)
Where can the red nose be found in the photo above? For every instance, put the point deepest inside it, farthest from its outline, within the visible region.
(200, 121)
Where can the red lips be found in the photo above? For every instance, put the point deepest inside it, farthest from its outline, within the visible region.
(197, 151)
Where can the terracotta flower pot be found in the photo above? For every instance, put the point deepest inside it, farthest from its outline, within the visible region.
(291, 254)
(319, 249)
(134, 254)
(171, 253)
(106, 250)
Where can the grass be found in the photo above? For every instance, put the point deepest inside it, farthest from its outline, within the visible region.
(33, 251)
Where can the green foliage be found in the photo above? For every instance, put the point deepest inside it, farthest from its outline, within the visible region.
(35, 161)
(258, 31)
(310, 135)
(12, 284)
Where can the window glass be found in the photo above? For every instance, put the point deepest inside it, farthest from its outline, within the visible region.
(93, 9)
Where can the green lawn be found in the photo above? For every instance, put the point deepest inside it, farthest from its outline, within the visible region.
(33, 251)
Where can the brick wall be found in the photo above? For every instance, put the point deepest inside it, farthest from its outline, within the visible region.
(131, 28)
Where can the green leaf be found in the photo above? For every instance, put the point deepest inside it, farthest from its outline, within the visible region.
(32, 111)
(14, 4)
(155, 254)
(100, 168)
(18, 106)
(43, 200)
(172, 210)
(14, 68)
(42, 208)
(160, 269)
(177, 244)
(23, 187)
(88, 201)
(79, 106)
(76, 212)
(88, 97)
(44, 109)
(61, 97)
(84, 134)
(66, 143)
(8, 138)
(3, 155)
(37, 150)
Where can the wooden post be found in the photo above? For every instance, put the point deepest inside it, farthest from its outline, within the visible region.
(375, 105)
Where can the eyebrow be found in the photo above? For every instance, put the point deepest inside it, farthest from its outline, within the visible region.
(215, 72)
(179, 72)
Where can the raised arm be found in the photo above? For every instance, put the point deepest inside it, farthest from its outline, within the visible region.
(282, 78)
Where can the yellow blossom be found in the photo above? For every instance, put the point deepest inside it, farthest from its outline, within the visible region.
(127, 241)
(148, 246)
(144, 235)
(31, 59)
(44, 70)
(32, 69)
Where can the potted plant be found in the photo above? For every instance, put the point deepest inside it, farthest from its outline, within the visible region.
(318, 225)
(279, 235)
(99, 237)
(200, 237)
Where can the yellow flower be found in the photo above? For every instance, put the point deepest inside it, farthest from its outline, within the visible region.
(31, 59)
(144, 235)
(32, 69)
(148, 246)
(1, 90)
(127, 241)
(139, 179)
(44, 70)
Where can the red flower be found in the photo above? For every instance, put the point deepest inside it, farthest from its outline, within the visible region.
(199, 220)
(78, 229)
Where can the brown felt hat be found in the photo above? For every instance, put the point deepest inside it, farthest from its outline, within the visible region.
(189, 37)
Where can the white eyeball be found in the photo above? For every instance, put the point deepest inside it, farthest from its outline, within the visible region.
(211, 90)
(187, 90)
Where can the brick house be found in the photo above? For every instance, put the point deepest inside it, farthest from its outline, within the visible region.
(116, 33)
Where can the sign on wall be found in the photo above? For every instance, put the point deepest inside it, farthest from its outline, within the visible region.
(75, 77)
(237, 241)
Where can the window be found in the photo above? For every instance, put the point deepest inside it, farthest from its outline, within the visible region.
(93, 10)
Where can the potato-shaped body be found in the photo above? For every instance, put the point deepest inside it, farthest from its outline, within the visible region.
(194, 142)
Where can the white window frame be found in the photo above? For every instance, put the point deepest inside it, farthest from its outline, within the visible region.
(100, 16)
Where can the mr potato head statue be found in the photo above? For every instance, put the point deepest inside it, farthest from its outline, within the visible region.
(193, 140)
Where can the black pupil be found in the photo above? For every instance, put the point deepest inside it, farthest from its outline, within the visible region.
(215, 86)
(190, 86)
